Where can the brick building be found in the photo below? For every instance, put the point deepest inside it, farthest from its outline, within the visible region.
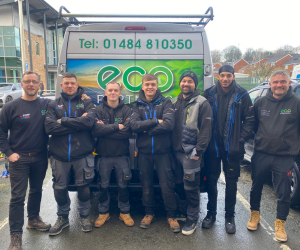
(291, 63)
(10, 41)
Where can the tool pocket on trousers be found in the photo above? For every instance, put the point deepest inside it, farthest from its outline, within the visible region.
(189, 175)
(126, 174)
(89, 169)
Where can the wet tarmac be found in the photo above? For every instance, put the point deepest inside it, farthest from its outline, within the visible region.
(115, 235)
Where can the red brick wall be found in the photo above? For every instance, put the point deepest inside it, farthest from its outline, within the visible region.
(240, 64)
(282, 61)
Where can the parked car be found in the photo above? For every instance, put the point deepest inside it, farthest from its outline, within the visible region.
(9, 92)
(49, 94)
(255, 94)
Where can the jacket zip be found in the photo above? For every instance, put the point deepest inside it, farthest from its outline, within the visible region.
(214, 134)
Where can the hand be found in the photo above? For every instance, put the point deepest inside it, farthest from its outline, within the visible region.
(100, 122)
(121, 126)
(84, 96)
(196, 158)
(160, 121)
(145, 132)
(14, 157)
(85, 114)
(59, 121)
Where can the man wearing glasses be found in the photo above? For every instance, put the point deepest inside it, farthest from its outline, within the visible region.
(26, 149)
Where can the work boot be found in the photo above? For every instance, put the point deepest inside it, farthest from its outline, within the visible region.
(126, 218)
(181, 217)
(189, 227)
(280, 233)
(86, 225)
(38, 224)
(15, 242)
(230, 224)
(101, 219)
(209, 220)
(254, 220)
(146, 221)
(174, 225)
(59, 225)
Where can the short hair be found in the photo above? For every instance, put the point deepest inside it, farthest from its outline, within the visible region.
(282, 73)
(149, 77)
(69, 75)
(114, 83)
(29, 73)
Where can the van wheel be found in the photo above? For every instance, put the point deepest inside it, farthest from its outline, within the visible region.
(8, 99)
(295, 194)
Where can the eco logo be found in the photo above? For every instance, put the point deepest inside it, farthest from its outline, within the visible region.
(285, 111)
(59, 106)
(80, 105)
(118, 119)
(25, 116)
(43, 112)
(114, 71)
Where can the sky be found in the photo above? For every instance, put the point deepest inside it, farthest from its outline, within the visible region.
(265, 24)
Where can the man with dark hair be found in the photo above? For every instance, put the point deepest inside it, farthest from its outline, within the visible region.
(152, 119)
(276, 127)
(69, 120)
(26, 149)
(190, 137)
(232, 114)
(113, 131)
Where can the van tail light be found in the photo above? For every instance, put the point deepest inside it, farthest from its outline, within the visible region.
(135, 28)
(135, 153)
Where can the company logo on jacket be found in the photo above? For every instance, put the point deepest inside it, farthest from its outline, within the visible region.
(80, 105)
(285, 111)
(25, 116)
(43, 111)
(59, 106)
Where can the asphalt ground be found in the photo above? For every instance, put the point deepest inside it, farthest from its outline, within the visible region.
(115, 235)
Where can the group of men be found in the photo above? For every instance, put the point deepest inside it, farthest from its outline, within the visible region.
(173, 136)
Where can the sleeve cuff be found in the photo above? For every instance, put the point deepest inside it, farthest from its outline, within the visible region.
(8, 152)
(199, 153)
(63, 120)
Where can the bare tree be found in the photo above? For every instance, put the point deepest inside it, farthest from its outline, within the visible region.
(249, 55)
(216, 56)
(261, 69)
(286, 49)
(232, 53)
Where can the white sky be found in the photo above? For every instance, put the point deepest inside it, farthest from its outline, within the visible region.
(256, 23)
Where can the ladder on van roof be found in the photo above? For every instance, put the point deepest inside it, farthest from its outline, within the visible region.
(204, 19)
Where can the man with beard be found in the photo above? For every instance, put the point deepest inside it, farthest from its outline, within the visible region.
(69, 120)
(26, 149)
(190, 137)
(152, 119)
(276, 144)
(232, 114)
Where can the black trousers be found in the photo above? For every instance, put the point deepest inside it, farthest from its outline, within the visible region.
(232, 173)
(162, 163)
(32, 168)
(281, 167)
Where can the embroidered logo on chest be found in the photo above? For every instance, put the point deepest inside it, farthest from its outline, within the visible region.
(25, 116)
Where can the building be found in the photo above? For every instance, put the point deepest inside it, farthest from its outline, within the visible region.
(41, 28)
(290, 64)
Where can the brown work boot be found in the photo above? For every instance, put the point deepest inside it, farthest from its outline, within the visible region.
(38, 224)
(280, 233)
(101, 219)
(146, 221)
(174, 225)
(127, 219)
(15, 242)
(254, 220)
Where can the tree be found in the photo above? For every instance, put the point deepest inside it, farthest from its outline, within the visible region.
(250, 55)
(261, 69)
(216, 56)
(232, 53)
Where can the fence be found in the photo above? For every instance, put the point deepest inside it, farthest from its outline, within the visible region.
(250, 82)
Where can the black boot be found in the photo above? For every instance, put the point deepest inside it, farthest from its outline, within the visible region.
(230, 224)
(209, 220)
(59, 225)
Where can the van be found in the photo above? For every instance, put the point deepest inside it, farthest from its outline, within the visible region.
(98, 53)
(296, 73)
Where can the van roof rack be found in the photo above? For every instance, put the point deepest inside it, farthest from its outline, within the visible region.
(204, 19)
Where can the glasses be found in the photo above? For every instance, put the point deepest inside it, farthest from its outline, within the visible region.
(29, 81)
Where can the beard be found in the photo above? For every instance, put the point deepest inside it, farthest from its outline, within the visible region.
(31, 93)
(187, 91)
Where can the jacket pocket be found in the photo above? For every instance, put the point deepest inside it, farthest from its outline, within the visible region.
(273, 146)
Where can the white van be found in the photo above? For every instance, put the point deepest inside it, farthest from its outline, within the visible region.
(125, 51)
(296, 73)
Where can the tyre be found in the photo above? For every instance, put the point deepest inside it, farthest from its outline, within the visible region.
(295, 195)
(8, 99)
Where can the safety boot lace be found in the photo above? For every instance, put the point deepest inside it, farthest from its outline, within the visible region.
(58, 222)
(254, 216)
(280, 226)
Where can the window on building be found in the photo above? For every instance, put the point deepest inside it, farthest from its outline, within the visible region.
(37, 49)
(51, 80)
(286, 66)
(272, 64)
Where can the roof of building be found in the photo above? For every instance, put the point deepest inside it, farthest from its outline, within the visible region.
(276, 58)
(294, 60)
